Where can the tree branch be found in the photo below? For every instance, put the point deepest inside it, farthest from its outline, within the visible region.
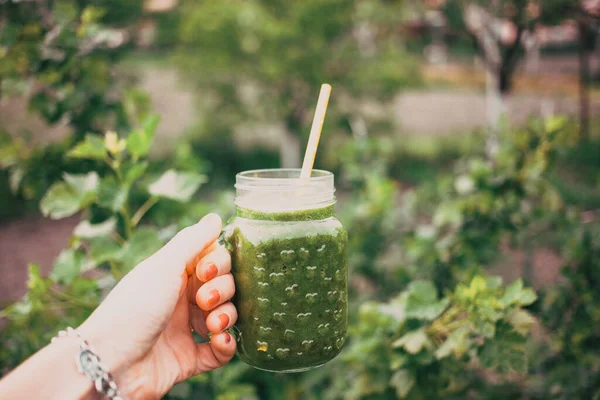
(45, 7)
(587, 14)
(511, 55)
(488, 64)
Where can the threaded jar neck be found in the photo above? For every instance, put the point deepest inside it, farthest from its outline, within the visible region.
(281, 190)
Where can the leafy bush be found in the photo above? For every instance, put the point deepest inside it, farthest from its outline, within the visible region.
(426, 320)
(62, 56)
(568, 363)
(109, 240)
(436, 325)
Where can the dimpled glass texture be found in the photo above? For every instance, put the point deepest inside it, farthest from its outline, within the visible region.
(289, 263)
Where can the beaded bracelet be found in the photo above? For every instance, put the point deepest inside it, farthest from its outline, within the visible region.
(89, 363)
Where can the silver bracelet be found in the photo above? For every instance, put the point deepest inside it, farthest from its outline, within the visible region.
(89, 363)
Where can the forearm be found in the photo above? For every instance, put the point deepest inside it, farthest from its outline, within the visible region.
(51, 373)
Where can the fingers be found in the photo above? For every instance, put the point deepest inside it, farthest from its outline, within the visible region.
(198, 321)
(215, 354)
(188, 246)
(221, 318)
(217, 291)
(213, 264)
(193, 263)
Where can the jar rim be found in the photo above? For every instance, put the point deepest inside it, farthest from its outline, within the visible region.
(283, 189)
(269, 174)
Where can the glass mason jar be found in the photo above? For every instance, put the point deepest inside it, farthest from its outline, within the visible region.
(289, 263)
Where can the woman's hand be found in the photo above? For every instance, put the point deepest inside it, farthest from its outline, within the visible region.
(143, 329)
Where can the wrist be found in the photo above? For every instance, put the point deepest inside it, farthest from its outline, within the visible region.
(62, 354)
(90, 365)
(104, 347)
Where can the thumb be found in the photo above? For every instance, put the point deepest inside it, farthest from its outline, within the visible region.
(189, 245)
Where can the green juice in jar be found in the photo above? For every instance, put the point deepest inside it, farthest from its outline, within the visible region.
(289, 263)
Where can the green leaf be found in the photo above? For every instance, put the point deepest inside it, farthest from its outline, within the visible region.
(179, 186)
(527, 297)
(151, 124)
(35, 281)
(103, 249)
(512, 292)
(15, 179)
(448, 213)
(555, 123)
(516, 294)
(64, 199)
(398, 360)
(413, 342)
(403, 381)
(92, 147)
(485, 328)
(504, 354)
(457, 343)
(10, 152)
(92, 14)
(60, 201)
(522, 321)
(87, 183)
(86, 230)
(493, 282)
(478, 285)
(140, 140)
(422, 302)
(144, 242)
(111, 195)
(133, 171)
(68, 265)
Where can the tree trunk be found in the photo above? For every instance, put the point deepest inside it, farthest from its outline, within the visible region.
(495, 109)
(584, 73)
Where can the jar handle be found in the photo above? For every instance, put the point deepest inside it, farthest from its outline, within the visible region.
(225, 236)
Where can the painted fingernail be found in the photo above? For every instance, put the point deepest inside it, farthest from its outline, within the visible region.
(224, 320)
(213, 298)
(210, 272)
(227, 338)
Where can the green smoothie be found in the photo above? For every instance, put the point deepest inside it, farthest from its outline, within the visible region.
(290, 270)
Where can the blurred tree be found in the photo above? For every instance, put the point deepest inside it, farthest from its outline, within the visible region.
(588, 21)
(261, 62)
(499, 30)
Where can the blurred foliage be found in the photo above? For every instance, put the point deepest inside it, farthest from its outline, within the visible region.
(109, 238)
(569, 363)
(62, 56)
(260, 63)
(426, 320)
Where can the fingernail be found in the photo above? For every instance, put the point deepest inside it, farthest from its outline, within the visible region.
(211, 218)
(227, 338)
(213, 298)
(224, 320)
(210, 272)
